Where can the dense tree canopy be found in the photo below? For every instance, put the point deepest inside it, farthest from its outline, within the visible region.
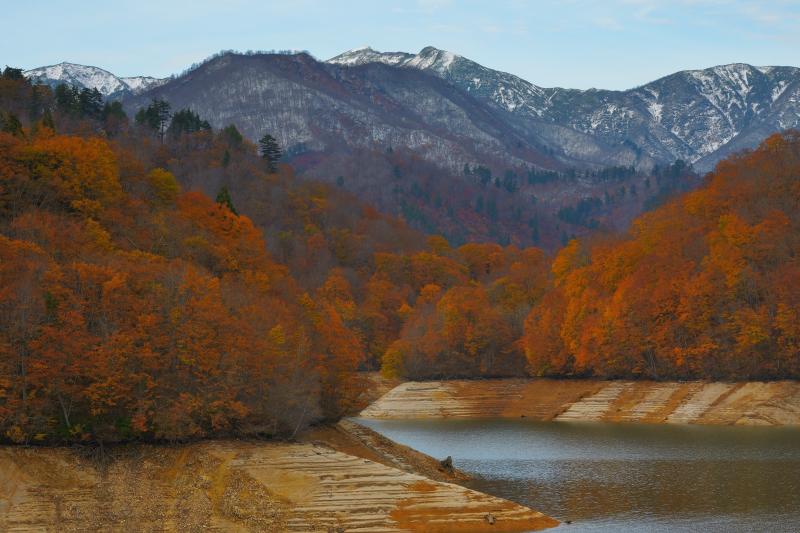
(270, 151)
(703, 287)
(134, 306)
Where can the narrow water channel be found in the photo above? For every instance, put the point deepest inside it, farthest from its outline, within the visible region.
(625, 477)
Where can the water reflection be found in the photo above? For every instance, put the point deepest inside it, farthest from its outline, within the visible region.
(625, 477)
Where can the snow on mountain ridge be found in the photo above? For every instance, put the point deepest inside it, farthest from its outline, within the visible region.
(366, 54)
(695, 115)
(141, 83)
(90, 77)
(509, 91)
(687, 115)
(429, 58)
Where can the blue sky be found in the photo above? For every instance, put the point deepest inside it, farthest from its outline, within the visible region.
(614, 44)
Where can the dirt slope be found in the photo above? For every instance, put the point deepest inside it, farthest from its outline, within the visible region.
(248, 486)
(753, 403)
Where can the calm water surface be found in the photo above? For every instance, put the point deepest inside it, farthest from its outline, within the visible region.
(625, 477)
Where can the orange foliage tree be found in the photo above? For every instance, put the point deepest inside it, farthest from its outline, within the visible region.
(704, 287)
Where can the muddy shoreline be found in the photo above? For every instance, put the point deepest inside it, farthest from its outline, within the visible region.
(346, 477)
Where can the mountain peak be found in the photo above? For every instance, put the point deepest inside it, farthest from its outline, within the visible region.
(429, 58)
(90, 77)
(367, 54)
(429, 50)
(432, 58)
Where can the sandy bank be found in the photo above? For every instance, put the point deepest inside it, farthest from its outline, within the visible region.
(338, 479)
(753, 403)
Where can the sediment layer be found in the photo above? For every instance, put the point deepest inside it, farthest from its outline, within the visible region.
(752, 403)
(245, 486)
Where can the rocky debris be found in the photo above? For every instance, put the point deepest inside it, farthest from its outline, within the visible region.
(352, 438)
(447, 464)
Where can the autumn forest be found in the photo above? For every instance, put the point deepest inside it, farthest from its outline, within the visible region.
(161, 280)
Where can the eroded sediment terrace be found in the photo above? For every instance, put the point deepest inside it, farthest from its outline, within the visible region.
(751, 403)
(239, 486)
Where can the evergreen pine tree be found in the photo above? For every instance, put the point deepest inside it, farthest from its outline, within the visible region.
(66, 98)
(90, 103)
(11, 73)
(35, 107)
(47, 120)
(114, 110)
(161, 114)
(187, 121)
(232, 136)
(9, 123)
(270, 151)
(155, 116)
(141, 117)
(224, 198)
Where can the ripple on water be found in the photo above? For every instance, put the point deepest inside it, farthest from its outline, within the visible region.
(625, 477)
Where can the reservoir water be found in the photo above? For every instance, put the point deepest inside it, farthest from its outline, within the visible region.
(624, 477)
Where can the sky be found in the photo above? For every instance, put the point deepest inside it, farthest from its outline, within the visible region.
(609, 44)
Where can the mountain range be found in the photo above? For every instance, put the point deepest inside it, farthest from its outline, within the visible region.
(84, 76)
(699, 116)
(422, 134)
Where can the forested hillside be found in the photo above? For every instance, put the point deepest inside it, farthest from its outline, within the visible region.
(132, 307)
(160, 279)
(135, 306)
(707, 286)
(422, 148)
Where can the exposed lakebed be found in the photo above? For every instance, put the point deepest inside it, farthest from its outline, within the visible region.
(624, 477)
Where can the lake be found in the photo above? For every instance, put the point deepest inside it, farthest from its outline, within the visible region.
(624, 477)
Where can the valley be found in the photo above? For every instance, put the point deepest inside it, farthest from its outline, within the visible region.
(403, 291)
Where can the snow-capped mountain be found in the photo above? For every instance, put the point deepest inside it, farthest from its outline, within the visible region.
(412, 143)
(388, 125)
(141, 83)
(90, 77)
(365, 54)
(699, 116)
(511, 92)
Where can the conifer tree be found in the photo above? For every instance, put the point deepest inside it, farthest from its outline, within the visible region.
(187, 121)
(11, 73)
(224, 198)
(114, 110)
(232, 136)
(270, 151)
(47, 120)
(90, 103)
(66, 98)
(155, 116)
(9, 123)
